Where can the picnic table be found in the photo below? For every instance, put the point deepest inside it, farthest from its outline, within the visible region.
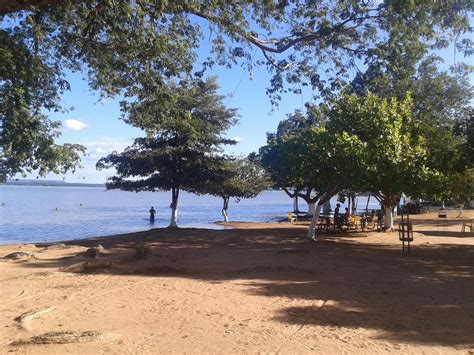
(327, 222)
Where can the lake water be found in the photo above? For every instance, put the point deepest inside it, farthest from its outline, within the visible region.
(30, 214)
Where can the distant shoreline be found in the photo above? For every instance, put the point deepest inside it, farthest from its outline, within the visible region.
(49, 183)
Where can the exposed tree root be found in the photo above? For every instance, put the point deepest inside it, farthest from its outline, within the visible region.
(20, 255)
(90, 266)
(65, 337)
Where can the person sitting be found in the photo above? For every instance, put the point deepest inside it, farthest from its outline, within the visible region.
(370, 219)
(380, 220)
(328, 223)
(347, 215)
(372, 215)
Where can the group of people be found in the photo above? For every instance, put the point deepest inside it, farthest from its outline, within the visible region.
(378, 217)
(341, 219)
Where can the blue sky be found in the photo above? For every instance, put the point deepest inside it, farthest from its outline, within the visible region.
(96, 124)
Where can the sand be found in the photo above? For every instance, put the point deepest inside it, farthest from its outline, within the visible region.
(255, 288)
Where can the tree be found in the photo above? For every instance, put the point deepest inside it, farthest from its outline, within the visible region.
(184, 129)
(235, 178)
(328, 161)
(28, 86)
(441, 104)
(456, 179)
(393, 155)
(120, 44)
(279, 164)
(464, 129)
(462, 187)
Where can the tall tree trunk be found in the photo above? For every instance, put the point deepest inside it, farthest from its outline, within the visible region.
(367, 205)
(314, 222)
(174, 207)
(294, 196)
(225, 207)
(388, 218)
(311, 208)
(388, 204)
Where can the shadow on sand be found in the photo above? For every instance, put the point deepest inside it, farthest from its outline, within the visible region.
(425, 298)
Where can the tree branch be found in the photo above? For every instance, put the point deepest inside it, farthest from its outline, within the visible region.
(275, 64)
(280, 45)
(283, 44)
(378, 196)
(9, 6)
(291, 195)
(307, 195)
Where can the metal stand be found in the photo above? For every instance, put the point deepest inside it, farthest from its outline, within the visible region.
(443, 219)
(405, 232)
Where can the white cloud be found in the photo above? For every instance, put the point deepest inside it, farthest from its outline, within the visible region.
(97, 149)
(238, 139)
(104, 146)
(74, 125)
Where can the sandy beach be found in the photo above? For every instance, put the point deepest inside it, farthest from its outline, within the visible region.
(248, 289)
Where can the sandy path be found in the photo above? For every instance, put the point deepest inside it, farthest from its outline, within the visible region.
(255, 288)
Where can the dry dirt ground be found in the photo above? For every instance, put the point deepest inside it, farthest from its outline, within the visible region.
(252, 288)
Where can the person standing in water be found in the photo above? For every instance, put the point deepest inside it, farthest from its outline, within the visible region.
(152, 214)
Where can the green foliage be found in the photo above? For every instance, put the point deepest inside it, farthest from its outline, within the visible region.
(464, 129)
(276, 159)
(393, 156)
(275, 156)
(298, 121)
(181, 140)
(441, 105)
(462, 186)
(368, 144)
(327, 160)
(236, 177)
(191, 107)
(157, 163)
(121, 45)
(455, 181)
(28, 85)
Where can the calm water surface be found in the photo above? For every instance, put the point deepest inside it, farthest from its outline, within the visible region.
(31, 214)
